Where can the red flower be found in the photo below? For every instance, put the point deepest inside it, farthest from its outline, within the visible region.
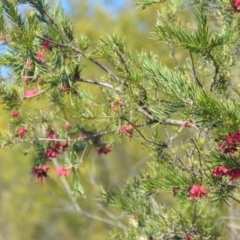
(64, 88)
(235, 5)
(15, 113)
(52, 136)
(197, 191)
(22, 132)
(41, 172)
(31, 93)
(54, 151)
(189, 237)
(61, 146)
(46, 45)
(104, 150)
(230, 144)
(220, 171)
(51, 153)
(233, 138)
(40, 57)
(127, 129)
(67, 126)
(62, 171)
(188, 124)
(114, 105)
(234, 174)
(121, 103)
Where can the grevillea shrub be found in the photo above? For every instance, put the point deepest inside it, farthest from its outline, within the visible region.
(185, 114)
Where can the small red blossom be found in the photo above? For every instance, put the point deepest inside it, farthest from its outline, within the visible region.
(115, 105)
(61, 146)
(188, 124)
(64, 88)
(22, 132)
(121, 103)
(197, 191)
(52, 136)
(51, 153)
(15, 113)
(67, 126)
(227, 148)
(235, 5)
(220, 171)
(127, 129)
(230, 144)
(46, 44)
(233, 138)
(31, 93)
(104, 150)
(40, 172)
(234, 174)
(62, 171)
(40, 58)
(189, 237)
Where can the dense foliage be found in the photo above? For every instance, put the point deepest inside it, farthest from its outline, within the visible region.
(186, 114)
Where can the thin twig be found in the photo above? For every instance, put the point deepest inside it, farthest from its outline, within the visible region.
(146, 139)
(122, 60)
(183, 167)
(194, 70)
(98, 83)
(172, 53)
(216, 69)
(233, 232)
(234, 198)
(172, 122)
(199, 155)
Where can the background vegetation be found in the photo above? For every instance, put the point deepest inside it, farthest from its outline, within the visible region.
(31, 210)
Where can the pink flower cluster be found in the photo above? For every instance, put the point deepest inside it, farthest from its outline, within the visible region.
(230, 144)
(127, 129)
(189, 124)
(62, 171)
(115, 105)
(31, 93)
(197, 191)
(235, 5)
(22, 132)
(40, 172)
(15, 113)
(67, 126)
(40, 57)
(52, 152)
(104, 150)
(220, 171)
(46, 44)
